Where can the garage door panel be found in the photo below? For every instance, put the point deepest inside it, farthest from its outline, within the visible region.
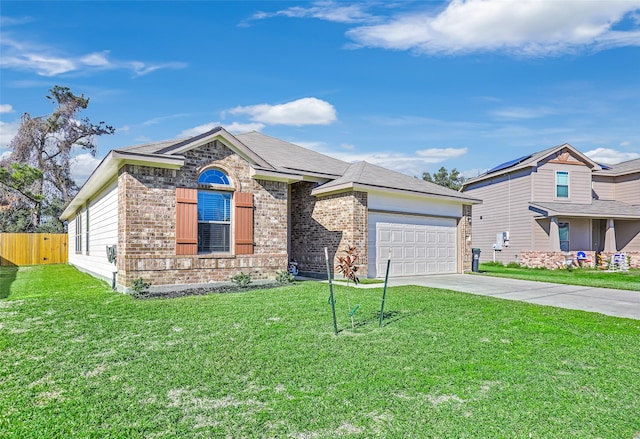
(419, 245)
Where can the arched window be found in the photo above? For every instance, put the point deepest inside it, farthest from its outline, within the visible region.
(213, 176)
(214, 213)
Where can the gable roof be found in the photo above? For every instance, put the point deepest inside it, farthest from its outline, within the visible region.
(270, 158)
(530, 161)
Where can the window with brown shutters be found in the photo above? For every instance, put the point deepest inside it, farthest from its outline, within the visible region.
(186, 221)
(204, 223)
(243, 223)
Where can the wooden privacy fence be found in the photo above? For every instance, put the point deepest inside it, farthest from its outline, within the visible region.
(33, 248)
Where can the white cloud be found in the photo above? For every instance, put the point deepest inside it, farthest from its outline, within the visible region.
(610, 156)
(524, 112)
(238, 128)
(437, 155)
(523, 27)
(49, 61)
(4, 155)
(6, 108)
(82, 166)
(348, 146)
(190, 132)
(234, 128)
(8, 131)
(410, 164)
(305, 111)
(323, 10)
(471, 173)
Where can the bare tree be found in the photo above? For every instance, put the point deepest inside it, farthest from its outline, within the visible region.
(47, 144)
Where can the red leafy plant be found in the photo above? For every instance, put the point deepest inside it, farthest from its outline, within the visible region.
(349, 269)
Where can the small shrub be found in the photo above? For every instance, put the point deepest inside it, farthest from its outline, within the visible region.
(241, 280)
(284, 277)
(513, 265)
(139, 287)
(493, 264)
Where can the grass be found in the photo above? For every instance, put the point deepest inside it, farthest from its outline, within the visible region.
(623, 280)
(77, 360)
(362, 280)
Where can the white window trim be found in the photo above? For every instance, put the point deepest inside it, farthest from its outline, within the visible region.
(555, 187)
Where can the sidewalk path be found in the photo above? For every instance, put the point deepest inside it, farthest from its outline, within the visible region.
(619, 303)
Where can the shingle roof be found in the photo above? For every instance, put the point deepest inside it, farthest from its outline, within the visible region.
(628, 167)
(150, 148)
(287, 156)
(366, 174)
(597, 208)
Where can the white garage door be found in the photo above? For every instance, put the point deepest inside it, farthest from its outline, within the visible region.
(419, 245)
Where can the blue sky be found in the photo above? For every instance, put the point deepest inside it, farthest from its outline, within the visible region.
(411, 86)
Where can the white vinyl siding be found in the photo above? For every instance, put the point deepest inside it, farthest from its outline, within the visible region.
(544, 183)
(413, 204)
(504, 208)
(604, 188)
(628, 235)
(628, 189)
(103, 231)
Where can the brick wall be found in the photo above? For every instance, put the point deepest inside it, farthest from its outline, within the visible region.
(465, 238)
(553, 260)
(147, 213)
(334, 221)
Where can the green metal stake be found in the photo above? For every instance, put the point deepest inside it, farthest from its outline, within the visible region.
(331, 299)
(384, 292)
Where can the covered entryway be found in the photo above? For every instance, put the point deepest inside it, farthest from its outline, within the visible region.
(419, 245)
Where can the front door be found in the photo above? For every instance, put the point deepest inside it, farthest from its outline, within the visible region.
(598, 229)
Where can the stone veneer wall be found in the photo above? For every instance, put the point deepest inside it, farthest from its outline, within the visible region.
(333, 221)
(464, 231)
(147, 215)
(553, 260)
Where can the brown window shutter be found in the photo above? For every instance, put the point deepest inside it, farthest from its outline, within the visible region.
(243, 223)
(186, 221)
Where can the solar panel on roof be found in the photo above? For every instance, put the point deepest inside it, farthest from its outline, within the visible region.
(508, 164)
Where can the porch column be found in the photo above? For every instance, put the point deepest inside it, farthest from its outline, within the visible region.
(610, 237)
(554, 235)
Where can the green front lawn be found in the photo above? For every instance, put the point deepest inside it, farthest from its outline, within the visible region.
(77, 360)
(623, 280)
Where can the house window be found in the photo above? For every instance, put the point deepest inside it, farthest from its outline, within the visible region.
(86, 224)
(563, 230)
(204, 217)
(79, 233)
(214, 221)
(562, 184)
(214, 213)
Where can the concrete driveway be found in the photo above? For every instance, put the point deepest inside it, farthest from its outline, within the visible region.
(619, 303)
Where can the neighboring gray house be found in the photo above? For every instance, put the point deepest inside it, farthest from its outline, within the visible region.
(188, 212)
(555, 203)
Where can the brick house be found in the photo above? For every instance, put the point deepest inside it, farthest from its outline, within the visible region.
(185, 213)
(555, 203)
